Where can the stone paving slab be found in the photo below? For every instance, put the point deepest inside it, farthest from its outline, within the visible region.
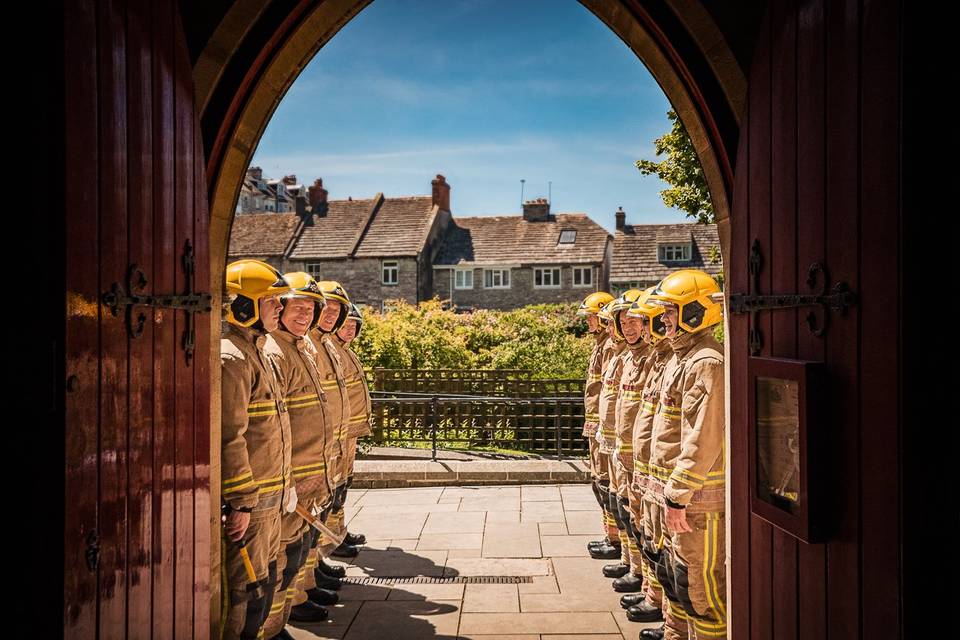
(465, 538)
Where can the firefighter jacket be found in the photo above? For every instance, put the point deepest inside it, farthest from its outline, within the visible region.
(607, 437)
(255, 426)
(314, 445)
(657, 359)
(635, 367)
(599, 357)
(358, 394)
(687, 451)
(330, 365)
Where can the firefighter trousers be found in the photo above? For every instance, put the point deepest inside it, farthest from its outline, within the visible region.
(250, 574)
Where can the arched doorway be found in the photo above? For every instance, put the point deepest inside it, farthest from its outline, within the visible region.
(797, 130)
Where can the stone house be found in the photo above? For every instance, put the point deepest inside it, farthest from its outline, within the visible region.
(504, 262)
(644, 253)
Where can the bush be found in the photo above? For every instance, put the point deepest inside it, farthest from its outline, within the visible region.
(548, 339)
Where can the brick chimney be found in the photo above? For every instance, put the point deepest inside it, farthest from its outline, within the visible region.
(318, 197)
(537, 210)
(621, 218)
(290, 180)
(441, 193)
(255, 173)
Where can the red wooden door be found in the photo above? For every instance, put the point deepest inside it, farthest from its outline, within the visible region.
(817, 180)
(137, 533)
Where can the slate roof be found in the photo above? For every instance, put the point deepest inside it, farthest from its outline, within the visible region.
(513, 240)
(262, 234)
(635, 256)
(399, 228)
(335, 235)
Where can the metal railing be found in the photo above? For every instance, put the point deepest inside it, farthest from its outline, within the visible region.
(541, 425)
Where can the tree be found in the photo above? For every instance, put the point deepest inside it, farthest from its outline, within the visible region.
(681, 170)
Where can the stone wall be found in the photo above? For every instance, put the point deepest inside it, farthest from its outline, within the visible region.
(520, 293)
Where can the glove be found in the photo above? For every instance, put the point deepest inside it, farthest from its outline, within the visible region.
(290, 500)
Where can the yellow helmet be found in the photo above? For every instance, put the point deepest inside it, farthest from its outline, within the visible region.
(692, 291)
(593, 303)
(302, 285)
(247, 282)
(625, 301)
(606, 319)
(333, 290)
(653, 313)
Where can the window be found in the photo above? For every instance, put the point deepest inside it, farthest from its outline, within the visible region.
(546, 278)
(314, 269)
(391, 272)
(463, 279)
(568, 236)
(583, 276)
(674, 252)
(496, 278)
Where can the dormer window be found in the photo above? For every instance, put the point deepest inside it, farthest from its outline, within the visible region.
(568, 236)
(674, 253)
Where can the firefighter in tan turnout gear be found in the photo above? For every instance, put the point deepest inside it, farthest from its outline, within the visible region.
(358, 425)
(257, 485)
(639, 385)
(609, 547)
(630, 379)
(312, 437)
(685, 474)
(319, 577)
(607, 434)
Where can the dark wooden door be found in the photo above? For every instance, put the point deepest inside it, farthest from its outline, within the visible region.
(817, 180)
(137, 465)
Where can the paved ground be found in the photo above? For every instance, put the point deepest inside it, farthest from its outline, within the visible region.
(535, 533)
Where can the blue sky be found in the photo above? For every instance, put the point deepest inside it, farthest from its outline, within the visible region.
(485, 92)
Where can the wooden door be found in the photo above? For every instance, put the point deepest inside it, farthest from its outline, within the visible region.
(137, 535)
(817, 180)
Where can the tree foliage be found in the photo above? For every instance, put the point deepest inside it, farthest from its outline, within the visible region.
(682, 171)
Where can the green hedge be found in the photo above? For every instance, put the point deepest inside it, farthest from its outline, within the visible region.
(548, 339)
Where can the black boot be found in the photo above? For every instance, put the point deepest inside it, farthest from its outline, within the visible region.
(326, 582)
(615, 570)
(606, 551)
(330, 570)
(322, 596)
(630, 599)
(345, 551)
(596, 543)
(652, 634)
(355, 538)
(644, 612)
(628, 583)
(308, 612)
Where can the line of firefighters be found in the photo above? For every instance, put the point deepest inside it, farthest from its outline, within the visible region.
(654, 418)
(294, 400)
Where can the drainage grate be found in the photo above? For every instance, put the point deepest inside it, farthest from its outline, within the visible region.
(389, 580)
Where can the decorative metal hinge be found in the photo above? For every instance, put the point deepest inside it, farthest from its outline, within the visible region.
(838, 298)
(133, 296)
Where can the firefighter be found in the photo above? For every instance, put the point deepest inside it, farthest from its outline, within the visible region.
(608, 548)
(312, 437)
(607, 434)
(257, 484)
(686, 466)
(332, 315)
(639, 387)
(358, 394)
(633, 368)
